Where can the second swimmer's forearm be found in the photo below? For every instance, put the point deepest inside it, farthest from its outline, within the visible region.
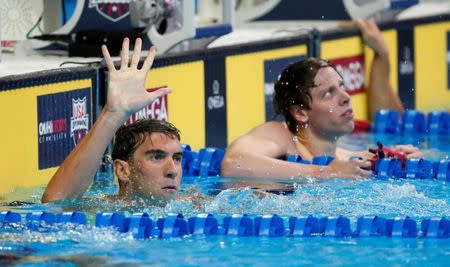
(250, 165)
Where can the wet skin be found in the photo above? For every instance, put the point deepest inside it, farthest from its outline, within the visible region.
(330, 113)
(155, 168)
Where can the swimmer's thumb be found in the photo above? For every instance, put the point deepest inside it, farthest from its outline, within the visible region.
(162, 91)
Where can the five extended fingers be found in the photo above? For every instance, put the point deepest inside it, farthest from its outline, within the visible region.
(125, 57)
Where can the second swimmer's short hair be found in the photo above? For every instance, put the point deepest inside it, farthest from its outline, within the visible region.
(293, 87)
(129, 138)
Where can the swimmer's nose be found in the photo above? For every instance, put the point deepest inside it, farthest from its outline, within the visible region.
(344, 97)
(170, 169)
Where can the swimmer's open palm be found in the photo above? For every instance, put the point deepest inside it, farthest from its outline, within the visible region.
(126, 86)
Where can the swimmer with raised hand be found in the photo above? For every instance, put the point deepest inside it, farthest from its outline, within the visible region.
(147, 154)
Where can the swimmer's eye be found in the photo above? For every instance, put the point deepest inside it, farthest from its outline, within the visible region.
(328, 93)
(177, 158)
(157, 157)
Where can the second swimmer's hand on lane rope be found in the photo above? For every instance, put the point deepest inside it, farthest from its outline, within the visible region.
(349, 169)
(410, 151)
(126, 86)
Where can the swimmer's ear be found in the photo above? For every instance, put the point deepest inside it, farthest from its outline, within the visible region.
(122, 170)
(298, 113)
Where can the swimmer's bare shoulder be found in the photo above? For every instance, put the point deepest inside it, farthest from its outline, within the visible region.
(273, 134)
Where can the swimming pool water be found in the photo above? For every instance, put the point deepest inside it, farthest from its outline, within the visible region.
(418, 199)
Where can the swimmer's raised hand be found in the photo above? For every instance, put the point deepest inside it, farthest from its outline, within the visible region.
(372, 36)
(126, 86)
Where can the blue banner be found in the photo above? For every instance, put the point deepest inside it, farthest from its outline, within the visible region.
(215, 101)
(63, 120)
(406, 68)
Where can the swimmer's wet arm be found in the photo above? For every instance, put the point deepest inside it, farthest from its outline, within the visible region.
(380, 92)
(76, 173)
(252, 156)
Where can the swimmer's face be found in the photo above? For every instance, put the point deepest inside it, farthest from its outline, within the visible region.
(155, 168)
(330, 113)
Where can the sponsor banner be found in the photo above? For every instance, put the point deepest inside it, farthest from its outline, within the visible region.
(110, 9)
(63, 120)
(352, 70)
(406, 72)
(156, 110)
(215, 102)
(104, 14)
(448, 60)
(272, 70)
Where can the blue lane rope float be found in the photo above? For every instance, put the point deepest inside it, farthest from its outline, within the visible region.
(297, 159)
(438, 123)
(413, 123)
(370, 226)
(386, 122)
(443, 172)
(204, 224)
(401, 227)
(173, 225)
(238, 225)
(7, 217)
(189, 160)
(72, 217)
(269, 225)
(241, 225)
(141, 226)
(335, 226)
(436, 227)
(38, 219)
(304, 226)
(209, 161)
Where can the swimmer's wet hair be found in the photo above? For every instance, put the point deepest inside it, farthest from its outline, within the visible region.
(129, 138)
(293, 87)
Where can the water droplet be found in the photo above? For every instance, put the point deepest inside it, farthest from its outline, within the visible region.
(238, 165)
(295, 138)
(330, 110)
(306, 126)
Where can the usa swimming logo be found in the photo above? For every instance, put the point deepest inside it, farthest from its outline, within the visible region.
(113, 10)
(63, 120)
(79, 122)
